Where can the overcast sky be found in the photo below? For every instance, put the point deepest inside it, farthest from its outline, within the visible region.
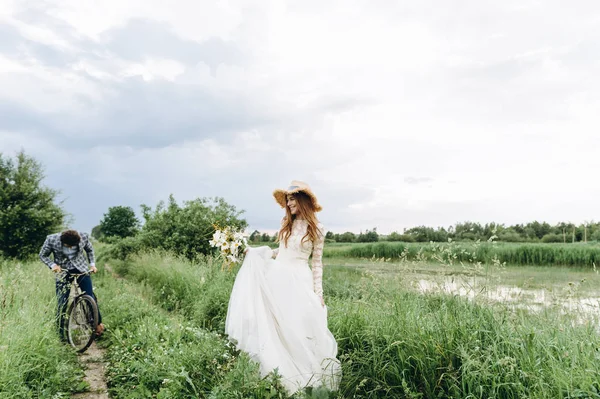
(397, 113)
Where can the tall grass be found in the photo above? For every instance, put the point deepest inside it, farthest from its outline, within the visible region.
(198, 291)
(33, 361)
(396, 343)
(200, 294)
(153, 352)
(581, 255)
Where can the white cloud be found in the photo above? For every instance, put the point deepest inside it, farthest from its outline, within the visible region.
(397, 113)
(40, 34)
(153, 69)
(196, 20)
(8, 66)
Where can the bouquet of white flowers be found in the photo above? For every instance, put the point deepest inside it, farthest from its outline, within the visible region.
(231, 243)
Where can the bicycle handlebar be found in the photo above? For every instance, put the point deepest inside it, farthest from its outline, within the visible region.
(75, 274)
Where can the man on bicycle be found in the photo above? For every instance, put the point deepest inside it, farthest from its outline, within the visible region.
(67, 248)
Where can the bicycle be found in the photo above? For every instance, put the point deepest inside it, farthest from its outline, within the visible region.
(81, 317)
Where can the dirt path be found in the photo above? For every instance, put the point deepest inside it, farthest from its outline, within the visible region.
(95, 367)
(93, 360)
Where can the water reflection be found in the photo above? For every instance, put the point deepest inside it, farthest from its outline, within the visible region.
(566, 301)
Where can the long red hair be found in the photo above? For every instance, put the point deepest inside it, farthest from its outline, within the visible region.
(306, 211)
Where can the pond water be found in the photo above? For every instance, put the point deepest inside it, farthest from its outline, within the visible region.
(566, 300)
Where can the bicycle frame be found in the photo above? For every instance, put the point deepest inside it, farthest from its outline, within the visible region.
(75, 288)
(77, 296)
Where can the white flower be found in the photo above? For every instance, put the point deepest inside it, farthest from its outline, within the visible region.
(230, 243)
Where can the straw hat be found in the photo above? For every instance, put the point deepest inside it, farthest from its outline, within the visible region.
(296, 187)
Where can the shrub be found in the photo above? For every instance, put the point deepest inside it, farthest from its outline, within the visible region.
(552, 238)
(186, 230)
(122, 248)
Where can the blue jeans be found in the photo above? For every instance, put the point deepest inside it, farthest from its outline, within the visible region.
(63, 289)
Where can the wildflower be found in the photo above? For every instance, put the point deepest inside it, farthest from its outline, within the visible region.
(230, 243)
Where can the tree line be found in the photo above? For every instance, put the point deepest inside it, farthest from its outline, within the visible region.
(29, 211)
(563, 232)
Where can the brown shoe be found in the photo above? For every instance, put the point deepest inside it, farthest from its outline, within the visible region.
(99, 329)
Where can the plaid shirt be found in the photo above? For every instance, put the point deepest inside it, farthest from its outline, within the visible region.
(52, 245)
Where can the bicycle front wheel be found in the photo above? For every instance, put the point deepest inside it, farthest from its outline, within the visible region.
(82, 322)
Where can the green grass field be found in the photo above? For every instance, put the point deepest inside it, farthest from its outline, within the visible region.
(33, 361)
(166, 316)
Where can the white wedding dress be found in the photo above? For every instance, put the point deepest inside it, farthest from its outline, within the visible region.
(275, 314)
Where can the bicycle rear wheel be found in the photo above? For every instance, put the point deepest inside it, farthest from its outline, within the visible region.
(82, 322)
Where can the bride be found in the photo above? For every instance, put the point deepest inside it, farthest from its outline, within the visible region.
(276, 311)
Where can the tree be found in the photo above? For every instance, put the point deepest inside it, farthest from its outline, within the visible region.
(120, 221)
(28, 212)
(510, 235)
(539, 229)
(345, 237)
(368, 236)
(469, 231)
(255, 236)
(187, 229)
(421, 233)
(97, 233)
(394, 236)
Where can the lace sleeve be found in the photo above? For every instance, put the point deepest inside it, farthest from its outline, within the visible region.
(276, 250)
(317, 263)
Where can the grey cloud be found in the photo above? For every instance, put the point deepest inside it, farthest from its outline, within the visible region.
(87, 202)
(39, 15)
(9, 39)
(15, 46)
(17, 118)
(161, 113)
(141, 115)
(511, 91)
(141, 38)
(150, 114)
(134, 41)
(138, 113)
